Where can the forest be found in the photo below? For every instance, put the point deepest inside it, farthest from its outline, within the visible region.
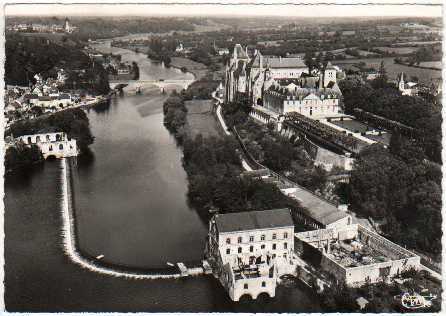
(30, 55)
(387, 101)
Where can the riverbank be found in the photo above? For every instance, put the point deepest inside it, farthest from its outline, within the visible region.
(199, 70)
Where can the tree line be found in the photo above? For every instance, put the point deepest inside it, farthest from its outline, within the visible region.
(385, 100)
(213, 168)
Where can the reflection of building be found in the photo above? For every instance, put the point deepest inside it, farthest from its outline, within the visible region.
(52, 144)
(249, 251)
(355, 255)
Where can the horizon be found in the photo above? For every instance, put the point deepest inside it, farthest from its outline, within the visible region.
(388, 10)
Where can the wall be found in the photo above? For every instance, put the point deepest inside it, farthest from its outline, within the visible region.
(254, 287)
(312, 106)
(52, 144)
(280, 251)
(356, 276)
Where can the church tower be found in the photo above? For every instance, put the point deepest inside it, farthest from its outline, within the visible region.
(66, 26)
(401, 81)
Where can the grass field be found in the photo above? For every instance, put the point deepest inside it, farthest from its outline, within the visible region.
(352, 125)
(200, 119)
(424, 75)
(199, 70)
(398, 50)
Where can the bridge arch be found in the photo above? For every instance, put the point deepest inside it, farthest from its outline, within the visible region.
(245, 298)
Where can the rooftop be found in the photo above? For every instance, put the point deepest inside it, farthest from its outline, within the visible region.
(234, 222)
(279, 62)
(319, 209)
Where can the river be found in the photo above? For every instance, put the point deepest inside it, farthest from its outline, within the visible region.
(131, 207)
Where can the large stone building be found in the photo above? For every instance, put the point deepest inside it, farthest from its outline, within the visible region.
(235, 76)
(308, 101)
(55, 145)
(248, 251)
(282, 84)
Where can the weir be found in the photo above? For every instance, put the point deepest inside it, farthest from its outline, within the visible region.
(92, 264)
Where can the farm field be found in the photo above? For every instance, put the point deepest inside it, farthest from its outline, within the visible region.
(398, 50)
(433, 64)
(424, 75)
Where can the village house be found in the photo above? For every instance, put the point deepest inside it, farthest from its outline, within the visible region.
(249, 251)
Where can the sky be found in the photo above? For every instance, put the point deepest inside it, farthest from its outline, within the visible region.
(230, 9)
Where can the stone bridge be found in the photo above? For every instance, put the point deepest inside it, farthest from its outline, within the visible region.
(136, 86)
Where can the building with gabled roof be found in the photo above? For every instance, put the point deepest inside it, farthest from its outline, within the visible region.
(249, 251)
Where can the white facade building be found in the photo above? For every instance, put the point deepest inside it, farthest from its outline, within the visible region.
(314, 103)
(52, 144)
(250, 250)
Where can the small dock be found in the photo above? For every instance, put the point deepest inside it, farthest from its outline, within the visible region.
(194, 269)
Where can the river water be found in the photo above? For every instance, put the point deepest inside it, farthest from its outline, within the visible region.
(131, 207)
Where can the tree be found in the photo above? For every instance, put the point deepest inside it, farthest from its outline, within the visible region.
(309, 60)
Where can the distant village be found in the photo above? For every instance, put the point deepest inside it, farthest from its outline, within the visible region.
(43, 28)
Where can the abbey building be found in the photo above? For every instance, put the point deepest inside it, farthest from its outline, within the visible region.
(282, 84)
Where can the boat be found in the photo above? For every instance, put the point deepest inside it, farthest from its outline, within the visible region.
(170, 264)
(100, 257)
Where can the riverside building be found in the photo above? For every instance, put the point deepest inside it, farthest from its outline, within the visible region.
(56, 145)
(249, 251)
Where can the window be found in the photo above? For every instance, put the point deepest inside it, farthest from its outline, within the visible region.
(251, 238)
(29, 140)
(51, 148)
(285, 235)
(285, 246)
(262, 238)
(228, 241)
(251, 248)
(274, 236)
(274, 246)
(48, 138)
(228, 251)
(245, 286)
(262, 246)
(60, 147)
(38, 139)
(239, 240)
(239, 250)
(263, 284)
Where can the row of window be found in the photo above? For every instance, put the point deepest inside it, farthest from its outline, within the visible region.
(251, 238)
(58, 138)
(251, 248)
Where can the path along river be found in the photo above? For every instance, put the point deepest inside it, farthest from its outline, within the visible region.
(131, 207)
